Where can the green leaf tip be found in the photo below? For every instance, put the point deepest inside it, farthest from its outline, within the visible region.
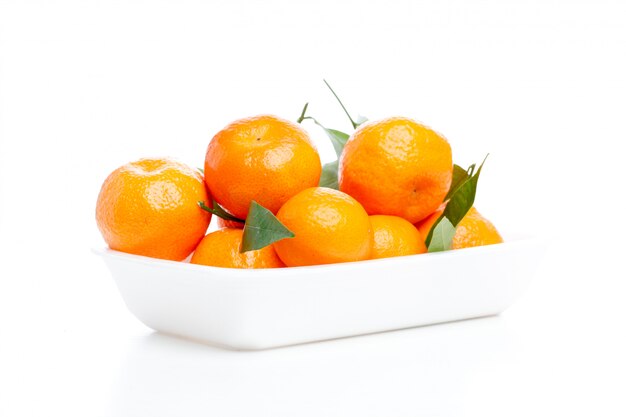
(460, 200)
(441, 235)
(360, 120)
(262, 228)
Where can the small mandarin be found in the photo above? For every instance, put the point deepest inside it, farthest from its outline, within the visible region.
(475, 230)
(329, 226)
(398, 167)
(394, 236)
(262, 158)
(221, 248)
(472, 230)
(150, 208)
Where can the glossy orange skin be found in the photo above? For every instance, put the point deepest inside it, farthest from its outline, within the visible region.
(475, 230)
(330, 227)
(394, 236)
(397, 167)
(426, 224)
(221, 248)
(150, 208)
(221, 223)
(472, 230)
(262, 158)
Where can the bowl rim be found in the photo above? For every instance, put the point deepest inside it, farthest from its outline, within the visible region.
(106, 252)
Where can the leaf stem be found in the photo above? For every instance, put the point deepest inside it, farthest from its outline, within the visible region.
(219, 212)
(301, 118)
(354, 124)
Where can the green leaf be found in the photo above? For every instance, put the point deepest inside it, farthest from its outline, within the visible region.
(459, 175)
(218, 211)
(442, 234)
(201, 171)
(337, 138)
(360, 120)
(461, 199)
(262, 228)
(329, 175)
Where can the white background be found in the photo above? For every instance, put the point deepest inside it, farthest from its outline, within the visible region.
(86, 86)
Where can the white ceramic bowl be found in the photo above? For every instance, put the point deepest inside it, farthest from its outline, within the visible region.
(258, 309)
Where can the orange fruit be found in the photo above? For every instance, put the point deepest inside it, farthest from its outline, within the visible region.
(221, 248)
(472, 230)
(475, 230)
(262, 158)
(150, 208)
(397, 167)
(221, 223)
(394, 236)
(330, 227)
(426, 224)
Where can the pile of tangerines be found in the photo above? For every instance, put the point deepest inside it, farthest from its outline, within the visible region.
(391, 186)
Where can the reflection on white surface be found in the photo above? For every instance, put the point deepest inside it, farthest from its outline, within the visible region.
(423, 370)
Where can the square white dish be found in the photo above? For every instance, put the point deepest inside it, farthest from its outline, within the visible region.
(259, 309)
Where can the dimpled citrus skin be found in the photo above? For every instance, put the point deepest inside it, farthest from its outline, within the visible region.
(394, 236)
(221, 248)
(150, 208)
(262, 158)
(330, 227)
(472, 230)
(475, 230)
(398, 167)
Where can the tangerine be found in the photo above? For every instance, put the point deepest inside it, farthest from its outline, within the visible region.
(221, 248)
(150, 208)
(473, 230)
(394, 236)
(329, 227)
(262, 158)
(398, 167)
